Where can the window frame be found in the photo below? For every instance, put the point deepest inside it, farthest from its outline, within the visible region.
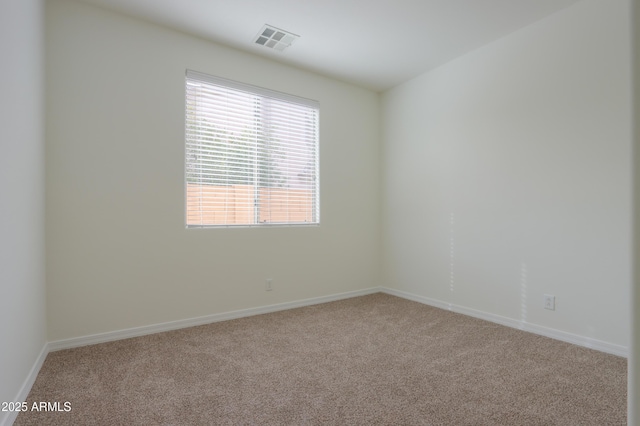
(263, 93)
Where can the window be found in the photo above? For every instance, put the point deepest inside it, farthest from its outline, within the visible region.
(251, 155)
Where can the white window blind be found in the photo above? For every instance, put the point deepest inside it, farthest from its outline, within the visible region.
(251, 155)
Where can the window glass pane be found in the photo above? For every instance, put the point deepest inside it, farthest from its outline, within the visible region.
(250, 159)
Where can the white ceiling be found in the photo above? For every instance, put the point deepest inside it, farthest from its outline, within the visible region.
(373, 43)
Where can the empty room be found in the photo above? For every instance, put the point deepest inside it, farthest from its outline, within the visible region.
(318, 212)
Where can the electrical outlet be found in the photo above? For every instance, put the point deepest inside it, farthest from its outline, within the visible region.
(550, 302)
(268, 285)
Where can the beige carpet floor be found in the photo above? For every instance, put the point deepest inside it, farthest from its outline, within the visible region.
(369, 360)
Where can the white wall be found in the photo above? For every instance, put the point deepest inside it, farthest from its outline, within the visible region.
(22, 261)
(526, 141)
(118, 255)
(633, 405)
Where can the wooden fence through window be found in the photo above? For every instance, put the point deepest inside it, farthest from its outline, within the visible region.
(235, 205)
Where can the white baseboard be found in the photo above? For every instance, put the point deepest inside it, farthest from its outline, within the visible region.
(575, 339)
(8, 417)
(208, 319)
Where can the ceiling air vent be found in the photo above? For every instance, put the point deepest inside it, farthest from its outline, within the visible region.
(275, 38)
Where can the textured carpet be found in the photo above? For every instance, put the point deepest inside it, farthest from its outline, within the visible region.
(375, 359)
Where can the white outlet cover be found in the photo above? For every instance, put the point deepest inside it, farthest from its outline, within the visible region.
(550, 302)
